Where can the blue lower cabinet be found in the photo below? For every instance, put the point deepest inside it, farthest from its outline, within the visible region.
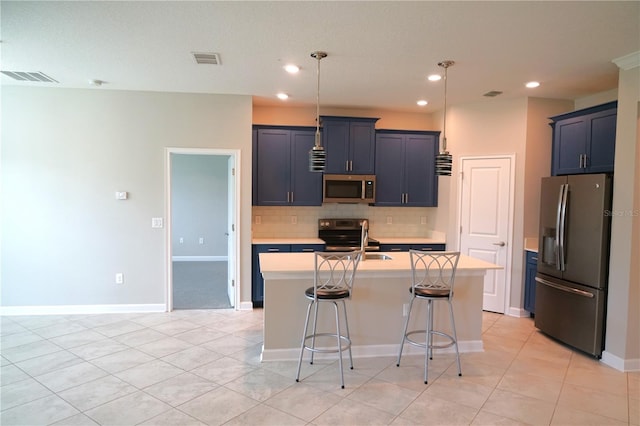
(257, 283)
(407, 247)
(530, 282)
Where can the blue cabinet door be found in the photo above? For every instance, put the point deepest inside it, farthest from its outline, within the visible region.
(405, 168)
(362, 147)
(569, 143)
(273, 174)
(281, 175)
(407, 247)
(257, 282)
(306, 186)
(335, 139)
(349, 144)
(602, 142)
(420, 175)
(303, 248)
(584, 140)
(530, 282)
(389, 169)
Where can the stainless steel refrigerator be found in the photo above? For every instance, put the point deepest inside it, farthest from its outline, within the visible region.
(573, 259)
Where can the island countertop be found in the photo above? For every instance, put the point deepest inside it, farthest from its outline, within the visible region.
(375, 310)
(274, 265)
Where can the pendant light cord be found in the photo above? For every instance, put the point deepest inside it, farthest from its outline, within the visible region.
(318, 55)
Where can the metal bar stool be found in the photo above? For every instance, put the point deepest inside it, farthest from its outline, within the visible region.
(333, 282)
(433, 274)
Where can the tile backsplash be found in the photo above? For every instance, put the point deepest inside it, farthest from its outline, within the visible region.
(302, 222)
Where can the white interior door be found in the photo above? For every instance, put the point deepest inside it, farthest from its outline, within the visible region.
(486, 210)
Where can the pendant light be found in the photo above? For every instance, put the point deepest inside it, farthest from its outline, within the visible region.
(317, 155)
(444, 159)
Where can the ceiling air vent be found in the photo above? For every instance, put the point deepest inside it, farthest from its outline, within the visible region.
(30, 76)
(207, 58)
(492, 94)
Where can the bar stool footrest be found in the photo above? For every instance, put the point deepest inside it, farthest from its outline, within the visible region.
(452, 341)
(327, 350)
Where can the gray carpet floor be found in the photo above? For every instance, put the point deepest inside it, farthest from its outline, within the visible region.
(200, 285)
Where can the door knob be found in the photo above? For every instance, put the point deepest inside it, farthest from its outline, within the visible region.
(501, 244)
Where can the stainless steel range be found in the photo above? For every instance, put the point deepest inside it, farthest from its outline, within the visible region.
(346, 235)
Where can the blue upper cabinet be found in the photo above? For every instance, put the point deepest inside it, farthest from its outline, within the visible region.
(405, 168)
(584, 140)
(281, 175)
(349, 144)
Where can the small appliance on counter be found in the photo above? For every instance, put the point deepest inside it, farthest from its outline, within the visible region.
(346, 234)
(573, 259)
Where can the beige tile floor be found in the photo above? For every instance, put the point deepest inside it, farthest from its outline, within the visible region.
(202, 367)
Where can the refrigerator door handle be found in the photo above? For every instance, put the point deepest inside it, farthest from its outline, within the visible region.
(562, 228)
(558, 217)
(564, 288)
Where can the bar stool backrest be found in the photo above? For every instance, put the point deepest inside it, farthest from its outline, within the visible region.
(335, 273)
(433, 273)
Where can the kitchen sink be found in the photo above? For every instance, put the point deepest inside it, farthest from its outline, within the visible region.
(377, 256)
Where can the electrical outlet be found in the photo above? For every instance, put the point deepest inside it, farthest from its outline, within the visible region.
(258, 220)
(389, 220)
(201, 240)
(119, 278)
(423, 220)
(181, 240)
(156, 222)
(294, 220)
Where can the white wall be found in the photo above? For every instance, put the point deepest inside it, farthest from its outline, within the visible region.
(64, 154)
(622, 346)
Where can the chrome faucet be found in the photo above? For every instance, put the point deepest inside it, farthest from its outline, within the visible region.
(364, 238)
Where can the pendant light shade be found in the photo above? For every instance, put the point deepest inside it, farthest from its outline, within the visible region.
(444, 160)
(317, 155)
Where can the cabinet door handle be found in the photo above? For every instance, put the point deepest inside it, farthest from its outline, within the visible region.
(586, 161)
(291, 197)
(346, 165)
(406, 198)
(273, 249)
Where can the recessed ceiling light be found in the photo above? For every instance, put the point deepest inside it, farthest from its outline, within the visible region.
(532, 84)
(291, 69)
(435, 77)
(282, 96)
(422, 102)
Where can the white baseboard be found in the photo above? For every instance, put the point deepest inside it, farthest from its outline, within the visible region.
(517, 312)
(245, 306)
(624, 365)
(199, 258)
(81, 309)
(369, 351)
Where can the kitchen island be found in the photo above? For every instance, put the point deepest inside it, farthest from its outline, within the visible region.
(375, 311)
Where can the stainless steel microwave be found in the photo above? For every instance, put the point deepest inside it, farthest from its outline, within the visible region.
(348, 189)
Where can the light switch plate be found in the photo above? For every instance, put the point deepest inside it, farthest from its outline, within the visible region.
(156, 222)
(122, 195)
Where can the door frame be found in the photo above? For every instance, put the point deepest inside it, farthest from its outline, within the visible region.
(509, 239)
(234, 191)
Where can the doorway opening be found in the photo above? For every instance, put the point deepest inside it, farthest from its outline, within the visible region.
(201, 235)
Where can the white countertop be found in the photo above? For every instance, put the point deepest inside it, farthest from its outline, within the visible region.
(411, 240)
(288, 240)
(531, 244)
(384, 240)
(300, 265)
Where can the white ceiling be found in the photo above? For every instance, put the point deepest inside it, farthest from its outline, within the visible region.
(379, 53)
